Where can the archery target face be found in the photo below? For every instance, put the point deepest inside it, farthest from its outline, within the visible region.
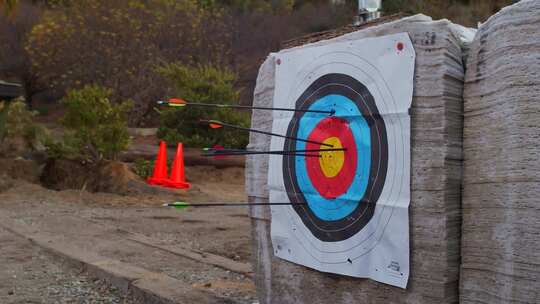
(340, 188)
(351, 206)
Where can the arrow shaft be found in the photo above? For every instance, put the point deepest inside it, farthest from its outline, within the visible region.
(270, 134)
(292, 152)
(241, 204)
(256, 153)
(211, 105)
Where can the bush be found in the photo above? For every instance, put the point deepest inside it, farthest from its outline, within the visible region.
(202, 84)
(20, 122)
(18, 131)
(143, 167)
(4, 108)
(96, 128)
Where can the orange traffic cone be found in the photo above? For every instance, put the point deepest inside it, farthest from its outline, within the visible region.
(160, 167)
(177, 179)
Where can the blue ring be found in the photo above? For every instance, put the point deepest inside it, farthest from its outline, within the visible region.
(345, 204)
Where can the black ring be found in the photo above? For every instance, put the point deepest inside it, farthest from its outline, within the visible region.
(335, 231)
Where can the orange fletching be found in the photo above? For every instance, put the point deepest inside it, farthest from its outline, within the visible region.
(177, 101)
(215, 126)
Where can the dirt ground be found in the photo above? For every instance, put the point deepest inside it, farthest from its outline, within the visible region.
(31, 275)
(210, 184)
(100, 222)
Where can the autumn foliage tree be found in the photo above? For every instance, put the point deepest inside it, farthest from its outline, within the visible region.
(118, 44)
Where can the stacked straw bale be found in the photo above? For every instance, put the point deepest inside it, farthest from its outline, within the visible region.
(435, 216)
(501, 189)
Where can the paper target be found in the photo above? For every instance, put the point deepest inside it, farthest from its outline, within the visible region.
(340, 188)
(354, 218)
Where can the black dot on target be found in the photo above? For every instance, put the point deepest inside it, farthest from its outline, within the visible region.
(349, 260)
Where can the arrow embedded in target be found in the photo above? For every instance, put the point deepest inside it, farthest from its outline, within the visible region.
(232, 152)
(184, 205)
(215, 124)
(180, 103)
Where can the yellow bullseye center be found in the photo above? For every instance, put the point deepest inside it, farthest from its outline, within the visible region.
(332, 161)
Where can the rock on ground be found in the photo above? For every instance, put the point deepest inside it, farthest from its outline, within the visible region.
(501, 191)
(435, 216)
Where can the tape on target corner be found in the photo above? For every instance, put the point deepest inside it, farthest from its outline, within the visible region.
(354, 216)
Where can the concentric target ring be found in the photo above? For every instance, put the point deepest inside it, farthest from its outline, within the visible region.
(341, 195)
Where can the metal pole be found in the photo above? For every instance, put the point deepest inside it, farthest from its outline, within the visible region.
(367, 10)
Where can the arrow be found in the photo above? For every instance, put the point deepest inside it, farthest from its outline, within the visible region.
(178, 102)
(268, 152)
(184, 205)
(231, 152)
(218, 148)
(214, 124)
(219, 152)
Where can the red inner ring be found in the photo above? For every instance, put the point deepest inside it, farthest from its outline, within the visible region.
(331, 188)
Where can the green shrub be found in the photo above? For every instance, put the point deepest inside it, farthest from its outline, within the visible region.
(4, 108)
(143, 167)
(20, 122)
(96, 129)
(17, 122)
(202, 84)
(64, 148)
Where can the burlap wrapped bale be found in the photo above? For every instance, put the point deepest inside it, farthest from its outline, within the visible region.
(435, 183)
(501, 190)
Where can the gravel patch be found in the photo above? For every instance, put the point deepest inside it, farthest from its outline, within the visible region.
(30, 275)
